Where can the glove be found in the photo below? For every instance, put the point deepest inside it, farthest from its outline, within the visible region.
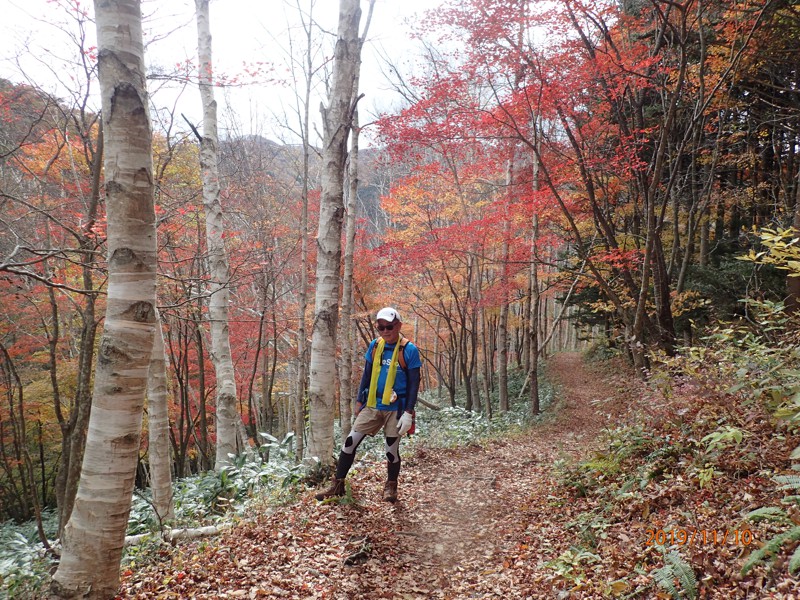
(404, 423)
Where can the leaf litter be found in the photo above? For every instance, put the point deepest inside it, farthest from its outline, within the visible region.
(494, 520)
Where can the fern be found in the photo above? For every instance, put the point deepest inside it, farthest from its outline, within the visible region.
(676, 568)
(789, 482)
(768, 513)
(772, 513)
(605, 465)
(684, 572)
(771, 548)
(664, 577)
(794, 562)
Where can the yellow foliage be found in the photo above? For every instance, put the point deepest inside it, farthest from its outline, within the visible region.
(783, 250)
(688, 301)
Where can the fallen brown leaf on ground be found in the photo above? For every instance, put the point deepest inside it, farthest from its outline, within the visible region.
(489, 521)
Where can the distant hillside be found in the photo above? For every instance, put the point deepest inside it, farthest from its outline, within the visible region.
(245, 157)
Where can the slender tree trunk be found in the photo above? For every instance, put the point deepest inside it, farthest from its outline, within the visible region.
(704, 235)
(257, 411)
(464, 336)
(302, 336)
(674, 255)
(74, 429)
(176, 344)
(158, 429)
(437, 360)
(202, 417)
(336, 127)
(525, 357)
(502, 323)
(266, 401)
(347, 354)
(219, 279)
(635, 337)
(94, 535)
(273, 366)
(534, 320)
(259, 360)
(535, 350)
(661, 297)
(691, 226)
(474, 339)
(545, 324)
(53, 335)
(487, 367)
(793, 283)
(346, 347)
(347, 351)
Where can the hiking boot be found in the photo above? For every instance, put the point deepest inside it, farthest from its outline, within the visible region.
(335, 491)
(390, 491)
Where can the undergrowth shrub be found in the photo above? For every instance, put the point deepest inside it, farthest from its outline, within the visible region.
(212, 496)
(632, 456)
(722, 420)
(759, 354)
(573, 565)
(752, 367)
(787, 518)
(217, 497)
(24, 563)
(698, 447)
(601, 349)
(454, 426)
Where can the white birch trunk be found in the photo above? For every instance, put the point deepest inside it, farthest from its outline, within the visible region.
(219, 278)
(346, 357)
(336, 127)
(94, 536)
(158, 429)
(347, 351)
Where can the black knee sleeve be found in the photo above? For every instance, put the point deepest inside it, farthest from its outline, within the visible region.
(393, 449)
(348, 454)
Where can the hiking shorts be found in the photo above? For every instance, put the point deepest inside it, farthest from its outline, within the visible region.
(371, 420)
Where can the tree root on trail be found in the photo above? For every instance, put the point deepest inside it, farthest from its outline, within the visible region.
(175, 534)
(360, 555)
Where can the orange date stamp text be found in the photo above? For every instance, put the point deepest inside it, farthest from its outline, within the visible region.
(698, 537)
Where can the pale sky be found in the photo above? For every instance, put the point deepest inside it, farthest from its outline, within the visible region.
(35, 44)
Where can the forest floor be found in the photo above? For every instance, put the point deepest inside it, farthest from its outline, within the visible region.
(481, 521)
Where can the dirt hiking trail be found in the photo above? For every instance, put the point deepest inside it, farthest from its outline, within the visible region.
(472, 522)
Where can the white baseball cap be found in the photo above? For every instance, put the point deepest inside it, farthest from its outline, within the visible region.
(388, 314)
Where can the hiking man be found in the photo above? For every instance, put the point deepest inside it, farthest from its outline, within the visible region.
(386, 399)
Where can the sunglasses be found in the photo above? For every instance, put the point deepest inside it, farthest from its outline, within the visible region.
(386, 327)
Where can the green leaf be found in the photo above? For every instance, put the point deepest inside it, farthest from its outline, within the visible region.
(771, 548)
(788, 482)
(794, 561)
(685, 574)
(767, 513)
